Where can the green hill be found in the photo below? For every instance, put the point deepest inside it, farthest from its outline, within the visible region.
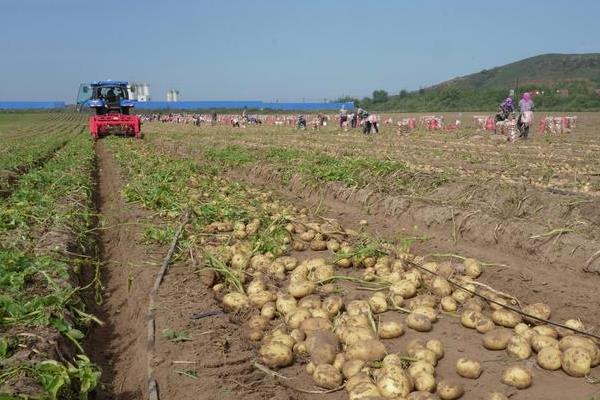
(561, 82)
(545, 69)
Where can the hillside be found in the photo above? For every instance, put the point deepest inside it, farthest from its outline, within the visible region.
(545, 69)
(562, 82)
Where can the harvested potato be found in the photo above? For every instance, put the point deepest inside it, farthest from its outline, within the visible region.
(437, 347)
(498, 303)
(441, 287)
(518, 347)
(390, 329)
(310, 325)
(311, 301)
(469, 318)
(358, 379)
(449, 390)
(357, 307)
(429, 312)
(422, 300)
(421, 366)
(571, 323)
(539, 342)
(449, 304)
(404, 288)
(280, 337)
(318, 245)
(424, 382)
(322, 273)
(327, 376)
(549, 358)
(576, 361)
(300, 288)
(393, 381)
(484, 325)
(254, 335)
(339, 361)
(578, 341)
(364, 391)
(350, 335)
(295, 319)
(276, 355)
(333, 304)
(352, 367)
(418, 322)
(257, 322)
(319, 313)
(378, 303)
(506, 318)
(546, 330)
(517, 377)
(259, 299)
(414, 276)
(418, 395)
(323, 346)
(474, 303)
(301, 349)
(466, 368)
(368, 350)
(333, 245)
(286, 303)
(472, 267)
(234, 301)
(497, 339)
(423, 354)
(539, 310)
(268, 310)
(462, 295)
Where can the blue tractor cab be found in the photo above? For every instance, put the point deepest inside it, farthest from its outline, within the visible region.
(106, 97)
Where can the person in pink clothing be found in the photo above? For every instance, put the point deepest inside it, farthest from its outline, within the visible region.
(526, 107)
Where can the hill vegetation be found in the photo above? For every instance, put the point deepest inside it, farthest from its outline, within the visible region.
(566, 82)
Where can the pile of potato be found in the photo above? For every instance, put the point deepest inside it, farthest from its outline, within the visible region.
(297, 313)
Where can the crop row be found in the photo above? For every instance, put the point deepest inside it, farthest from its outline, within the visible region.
(44, 227)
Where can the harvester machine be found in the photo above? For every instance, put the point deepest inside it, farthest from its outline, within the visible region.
(112, 108)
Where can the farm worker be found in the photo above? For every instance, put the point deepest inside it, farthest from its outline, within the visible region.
(526, 107)
(214, 118)
(372, 119)
(506, 107)
(111, 97)
(359, 113)
(366, 122)
(353, 119)
(343, 116)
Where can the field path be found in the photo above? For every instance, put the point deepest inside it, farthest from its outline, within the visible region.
(119, 347)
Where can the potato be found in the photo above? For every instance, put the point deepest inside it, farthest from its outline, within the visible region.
(546, 330)
(422, 396)
(290, 263)
(339, 361)
(549, 358)
(234, 301)
(327, 376)
(469, 318)
(576, 361)
(506, 318)
(333, 304)
(364, 391)
(466, 368)
(268, 310)
(414, 276)
(350, 335)
(279, 336)
(539, 310)
(431, 266)
(333, 245)
(484, 325)
(257, 322)
(571, 323)
(521, 327)
(344, 263)
(318, 245)
(301, 349)
(429, 312)
(300, 288)
(295, 319)
(404, 288)
(422, 300)
(310, 325)
(352, 367)
(392, 359)
(322, 273)
(276, 355)
(415, 344)
(518, 347)
(393, 382)
(496, 396)
(423, 354)
(285, 303)
(449, 390)
(369, 262)
(310, 368)
(437, 347)
(449, 304)
(319, 313)
(578, 341)
(441, 287)
(497, 339)
(312, 301)
(472, 267)
(298, 245)
(323, 347)
(420, 366)
(517, 377)
(357, 307)
(499, 302)
(308, 235)
(461, 295)
(474, 303)
(390, 329)
(418, 322)
(538, 342)
(368, 350)
(378, 303)
(254, 335)
(424, 382)
(259, 299)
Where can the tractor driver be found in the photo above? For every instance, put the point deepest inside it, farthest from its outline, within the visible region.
(111, 97)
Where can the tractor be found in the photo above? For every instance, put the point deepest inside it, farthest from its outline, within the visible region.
(112, 108)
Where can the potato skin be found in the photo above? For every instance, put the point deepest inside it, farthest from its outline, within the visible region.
(506, 318)
(369, 350)
(322, 347)
(327, 376)
(418, 322)
(549, 358)
(449, 390)
(497, 339)
(517, 377)
(470, 369)
(276, 355)
(576, 361)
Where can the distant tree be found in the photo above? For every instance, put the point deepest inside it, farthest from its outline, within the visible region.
(347, 99)
(380, 96)
(403, 93)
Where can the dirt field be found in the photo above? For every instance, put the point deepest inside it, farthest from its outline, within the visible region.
(529, 212)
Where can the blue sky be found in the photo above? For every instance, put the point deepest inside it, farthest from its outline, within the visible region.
(276, 49)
